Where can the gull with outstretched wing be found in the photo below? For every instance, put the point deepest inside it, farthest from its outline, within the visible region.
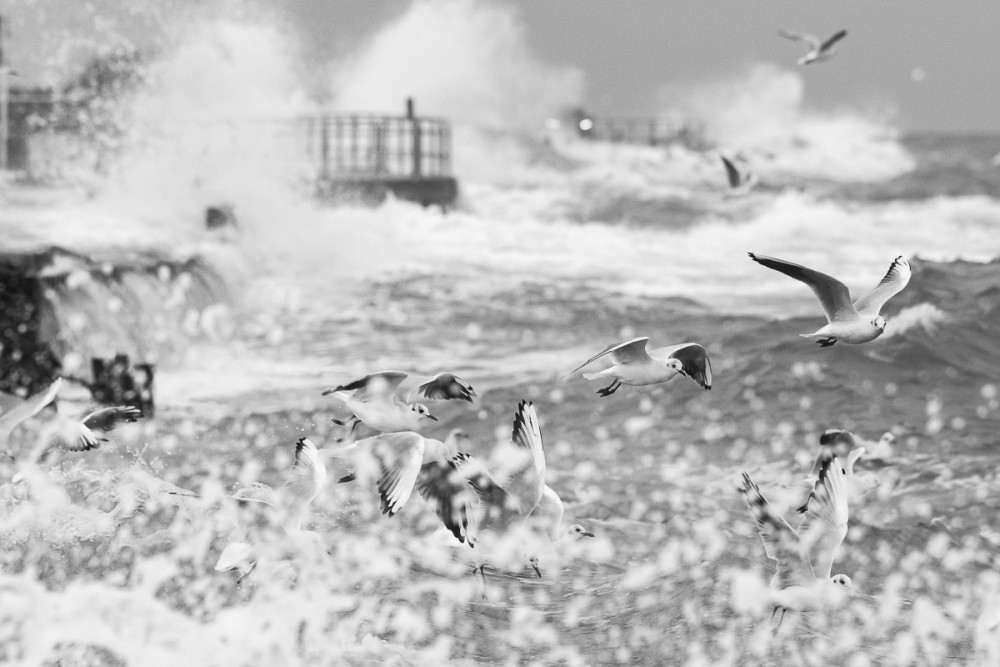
(629, 363)
(804, 558)
(818, 51)
(385, 401)
(854, 323)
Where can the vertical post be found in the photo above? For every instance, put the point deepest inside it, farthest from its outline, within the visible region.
(416, 148)
(324, 148)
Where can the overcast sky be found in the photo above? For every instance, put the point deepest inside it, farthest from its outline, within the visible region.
(934, 65)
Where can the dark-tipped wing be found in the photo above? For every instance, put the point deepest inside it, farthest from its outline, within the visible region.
(833, 295)
(628, 351)
(892, 284)
(824, 523)
(832, 39)
(732, 173)
(74, 437)
(527, 435)
(781, 542)
(694, 357)
(108, 419)
(449, 494)
(444, 387)
(375, 384)
(399, 457)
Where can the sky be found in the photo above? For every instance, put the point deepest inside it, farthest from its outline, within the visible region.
(926, 65)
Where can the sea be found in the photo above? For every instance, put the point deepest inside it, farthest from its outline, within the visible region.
(558, 246)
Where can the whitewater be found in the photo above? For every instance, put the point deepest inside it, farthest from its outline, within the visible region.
(557, 247)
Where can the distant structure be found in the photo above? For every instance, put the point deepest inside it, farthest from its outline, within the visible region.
(648, 131)
(365, 157)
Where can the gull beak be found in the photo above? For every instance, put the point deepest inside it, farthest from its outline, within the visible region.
(430, 416)
(534, 566)
(587, 533)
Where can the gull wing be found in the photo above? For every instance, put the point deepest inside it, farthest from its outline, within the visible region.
(625, 352)
(892, 284)
(732, 173)
(399, 457)
(811, 40)
(495, 507)
(781, 542)
(831, 40)
(380, 384)
(824, 523)
(307, 477)
(443, 486)
(21, 410)
(693, 356)
(108, 419)
(527, 435)
(443, 386)
(69, 435)
(833, 295)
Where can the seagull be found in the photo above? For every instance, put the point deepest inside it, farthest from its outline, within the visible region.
(740, 180)
(818, 51)
(507, 501)
(291, 500)
(804, 558)
(78, 435)
(631, 364)
(384, 401)
(853, 323)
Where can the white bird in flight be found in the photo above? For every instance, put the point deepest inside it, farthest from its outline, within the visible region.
(818, 51)
(631, 364)
(802, 580)
(384, 401)
(854, 323)
(291, 501)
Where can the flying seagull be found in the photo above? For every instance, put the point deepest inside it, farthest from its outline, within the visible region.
(818, 51)
(385, 400)
(628, 362)
(802, 580)
(854, 323)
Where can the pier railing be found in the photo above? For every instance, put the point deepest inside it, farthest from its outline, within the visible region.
(349, 146)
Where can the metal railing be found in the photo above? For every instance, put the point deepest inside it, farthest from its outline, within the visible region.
(346, 146)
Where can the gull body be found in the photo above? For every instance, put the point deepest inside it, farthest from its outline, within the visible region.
(848, 322)
(385, 400)
(818, 51)
(804, 558)
(628, 362)
(62, 433)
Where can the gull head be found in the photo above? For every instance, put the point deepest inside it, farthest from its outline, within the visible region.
(842, 580)
(879, 323)
(578, 531)
(422, 411)
(676, 364)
